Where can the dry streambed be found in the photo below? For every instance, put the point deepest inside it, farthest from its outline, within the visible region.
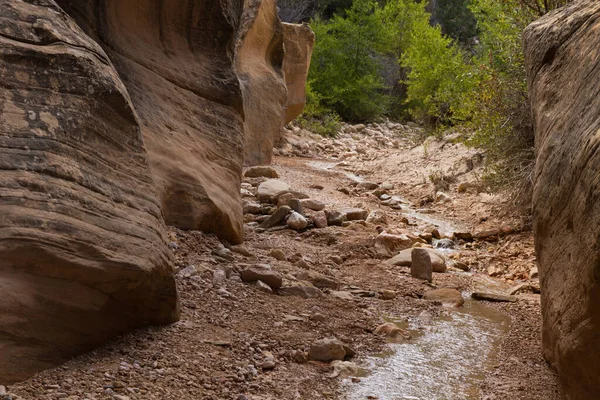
(320, 302)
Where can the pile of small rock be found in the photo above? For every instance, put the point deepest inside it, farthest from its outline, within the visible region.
(271, 204)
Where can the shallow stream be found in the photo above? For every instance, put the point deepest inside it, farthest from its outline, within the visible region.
(447, 357)
(445, 360)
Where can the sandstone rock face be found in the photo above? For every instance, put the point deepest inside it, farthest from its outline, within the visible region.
(259, 63)
(82, 251)
(199, 73)
(564, 79)
(298, 41)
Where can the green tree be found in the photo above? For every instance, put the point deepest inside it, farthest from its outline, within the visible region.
(345, 70)
(436, 73)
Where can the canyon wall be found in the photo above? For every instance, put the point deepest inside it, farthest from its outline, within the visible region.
(118, 117)
(176, 59)
(563, 66)
(298, 41)
(259, 59)
(83, 253)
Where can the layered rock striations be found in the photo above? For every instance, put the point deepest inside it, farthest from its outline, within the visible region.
(83, 255)
(176, 59)
(563, 66)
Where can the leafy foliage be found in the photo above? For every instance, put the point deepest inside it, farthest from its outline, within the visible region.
(345, 70)
(316, 117)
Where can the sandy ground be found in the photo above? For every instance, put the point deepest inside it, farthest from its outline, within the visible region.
(229, 330)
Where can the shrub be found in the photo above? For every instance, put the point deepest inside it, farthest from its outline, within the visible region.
(316, 117)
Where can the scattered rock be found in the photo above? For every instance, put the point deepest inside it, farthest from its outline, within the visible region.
(388, 295)
(296, 205)
(284, 199)
(301, 289)
(270, 188)
(442, 197)
(240, 249)
(355, 214)
(250, 207)
(312, 204)
(342, 295)
(392, 331)
(404, 259)
(524, 287)
(377, 217)
(367, 185)
(444, 243)
(278, 254)
(447, 296)
(188, 271)
(327, 350)
(343, 369)
(421, 267)
(319, 219)
(335, 217)
(262, 273)
(387, 244)
(533, 273)
(261, 171)
(461, 265)
(263, 287)
(494, 297)
(466, 236)
(296, 221)
(276, 218)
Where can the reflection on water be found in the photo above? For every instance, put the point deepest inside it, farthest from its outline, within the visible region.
(446, 361)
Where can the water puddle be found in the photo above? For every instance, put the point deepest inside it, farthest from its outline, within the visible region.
(446, 360)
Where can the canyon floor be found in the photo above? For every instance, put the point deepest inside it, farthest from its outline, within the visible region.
(241, 341)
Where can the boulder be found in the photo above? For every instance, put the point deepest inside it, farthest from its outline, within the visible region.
(446, 296)
(296, 221)
(355, 214)
(319, 219)
(298, 42)
(276, 218)
(562, 61)
(404, 259)
(329, 349)
(335, 218)
(377, 217)
(270, 188)
(296, 205)
(421, 265)
(387, 244)
(83, 250)
(264, 274)
(312, 204)
(261, 171)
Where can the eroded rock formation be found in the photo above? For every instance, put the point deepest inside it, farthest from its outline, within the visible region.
(298, 41)
(259, 59)
(563, 65)
(176, 60)
(83, 255)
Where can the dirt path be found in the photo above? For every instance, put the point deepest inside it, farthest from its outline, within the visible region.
(237, 341)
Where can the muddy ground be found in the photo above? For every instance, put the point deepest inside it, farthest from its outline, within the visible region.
(231, 333)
